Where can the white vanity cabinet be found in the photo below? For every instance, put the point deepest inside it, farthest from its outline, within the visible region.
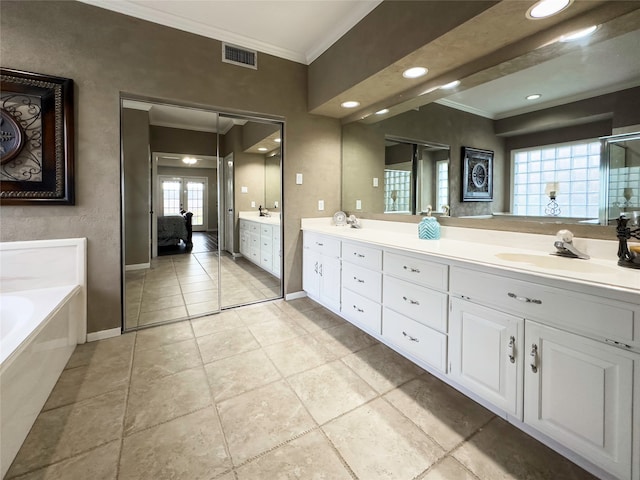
(580, 392)
(362, 286)
(321, 269)
(486, 354)
(260, 244)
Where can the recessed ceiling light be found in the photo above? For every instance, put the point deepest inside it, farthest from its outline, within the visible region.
(450, 85)
(546, 8)
(533, 96)
(350, 104)
(585, 32)
(383, 111)
(414, 72)
(277, 140)
(189, 160)
(262, 149)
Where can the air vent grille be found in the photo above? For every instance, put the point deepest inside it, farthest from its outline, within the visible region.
(239, 56)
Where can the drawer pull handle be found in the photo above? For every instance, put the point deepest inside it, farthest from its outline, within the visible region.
(320, 244)
(315, 268)
(412, 302)
(525, 299)
(534, 358)
(511, 349)
(413, 339)
(411, 269)
(359, 255)
(359, 280)
(358, 309)
(321, 270)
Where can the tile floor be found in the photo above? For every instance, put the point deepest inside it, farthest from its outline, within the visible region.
(181, 286)
(278, 390)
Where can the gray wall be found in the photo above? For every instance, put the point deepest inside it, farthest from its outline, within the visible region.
(178, 140)
(107, 53)
(135, 152)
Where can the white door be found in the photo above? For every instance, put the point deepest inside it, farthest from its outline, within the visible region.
(579, 392)
(486, 348)
(330, 282)
(229, 209)
(311, 273)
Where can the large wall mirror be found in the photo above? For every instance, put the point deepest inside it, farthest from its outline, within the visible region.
(623, 195)
(549, 145)
(192, 178)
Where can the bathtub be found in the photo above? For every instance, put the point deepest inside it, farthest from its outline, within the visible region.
(39, 329)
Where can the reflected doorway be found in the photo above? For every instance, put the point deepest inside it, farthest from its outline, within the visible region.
(188, 178)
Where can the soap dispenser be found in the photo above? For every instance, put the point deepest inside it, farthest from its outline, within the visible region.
(429, 228)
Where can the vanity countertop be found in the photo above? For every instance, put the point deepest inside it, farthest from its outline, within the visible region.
(272, 219)
(511, 251)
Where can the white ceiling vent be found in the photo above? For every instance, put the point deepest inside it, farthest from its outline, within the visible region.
(239, 56)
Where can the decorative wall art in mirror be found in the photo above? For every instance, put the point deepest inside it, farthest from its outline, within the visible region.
(477, 174)
(37, 144)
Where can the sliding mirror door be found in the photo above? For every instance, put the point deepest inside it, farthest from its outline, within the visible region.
(251, 256)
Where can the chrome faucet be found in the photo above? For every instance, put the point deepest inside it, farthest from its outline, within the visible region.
(564, 246)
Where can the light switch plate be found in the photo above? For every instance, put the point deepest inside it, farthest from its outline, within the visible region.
(320, 204)
(358, 204)
(275, 204)
(298, 179)
(375, 181)
(253, 204)
(244, 190)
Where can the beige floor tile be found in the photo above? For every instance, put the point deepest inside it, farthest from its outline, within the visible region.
(500, 451)
(381, 367)
(259, 420)
(198, 286)
(377, 442)
(190, 447)
(226, 343)
(297, 305)
(201, 278)
(80, 383)
(165, 398)
(173, 313)
(298, 354)
(274, 331)
(68, 431)
(260, 313)
(98, 464)
(315, 319)
(305, 458)
(239, 297)
(317, 389)
(200, 296)
(449, 469)
(150, 292)
(344, 339)
(160, 282)
(164, 360)
(442, 412)
(102, 351)
(214, 323)
(150, 304)
(234, 375)
(163, 335)
(204, 308)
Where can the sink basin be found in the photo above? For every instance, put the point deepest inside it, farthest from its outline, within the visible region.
(554, 262)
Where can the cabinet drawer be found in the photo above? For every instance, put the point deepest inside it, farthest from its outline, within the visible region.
(367, 257)
(266, 230)
(596, 316)
(266, 260)
(362, 280)
(417, 270)
(361, 311)
(415, 339)
(266, 243)
(253, 227)
(418, 303)
(328, 246)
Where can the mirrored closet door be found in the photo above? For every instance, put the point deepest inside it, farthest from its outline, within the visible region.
(201, 199)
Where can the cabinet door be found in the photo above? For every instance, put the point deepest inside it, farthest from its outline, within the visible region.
(311, 273)
(579, 392)
(486, 349)
(330, 282)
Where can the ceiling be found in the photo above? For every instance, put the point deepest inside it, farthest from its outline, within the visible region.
(495, 87)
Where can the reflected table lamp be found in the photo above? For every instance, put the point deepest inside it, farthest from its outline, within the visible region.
(551, 190)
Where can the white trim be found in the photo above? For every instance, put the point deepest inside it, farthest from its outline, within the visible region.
(137, 266)
(295, 295)
(183, 126)
(103, 334)
(136, 105)
(465, 108)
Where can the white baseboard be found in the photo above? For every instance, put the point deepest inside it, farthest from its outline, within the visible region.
(295, 295)
(137, 266)
(102, 334)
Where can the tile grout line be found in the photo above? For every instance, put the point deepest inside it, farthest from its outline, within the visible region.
(126, 404)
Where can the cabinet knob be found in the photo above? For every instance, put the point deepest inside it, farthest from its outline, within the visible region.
(534, 358)
(511, 349)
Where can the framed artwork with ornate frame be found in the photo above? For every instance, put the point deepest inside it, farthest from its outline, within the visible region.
(36, 139)
(477, 175)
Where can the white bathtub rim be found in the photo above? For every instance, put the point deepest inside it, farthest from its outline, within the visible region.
(66, 292)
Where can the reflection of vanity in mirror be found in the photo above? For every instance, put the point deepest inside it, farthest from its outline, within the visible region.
(570, 126)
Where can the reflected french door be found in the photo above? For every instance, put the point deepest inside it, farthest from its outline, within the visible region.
(184, 193)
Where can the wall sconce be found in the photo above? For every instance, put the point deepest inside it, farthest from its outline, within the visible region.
(627, 193)
(551, 190)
